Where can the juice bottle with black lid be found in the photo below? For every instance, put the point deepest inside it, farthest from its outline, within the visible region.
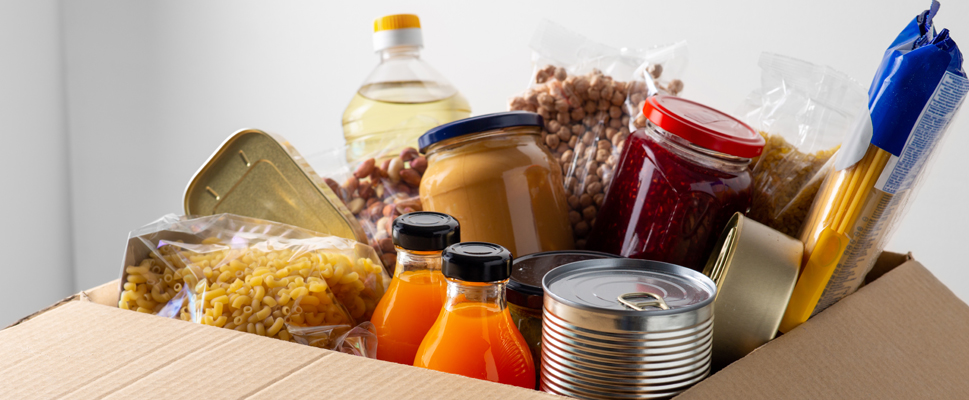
(417, 292)
(474, 335)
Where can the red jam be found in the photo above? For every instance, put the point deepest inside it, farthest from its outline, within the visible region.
(669, 201)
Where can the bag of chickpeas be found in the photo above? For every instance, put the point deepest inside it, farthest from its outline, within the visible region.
(803, 111)
(591, 97)
(256, 276)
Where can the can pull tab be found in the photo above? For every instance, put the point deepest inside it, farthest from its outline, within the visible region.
(635, 301)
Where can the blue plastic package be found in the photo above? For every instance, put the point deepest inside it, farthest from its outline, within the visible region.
(913, 98)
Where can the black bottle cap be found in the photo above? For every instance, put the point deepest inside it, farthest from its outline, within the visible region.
(426, 231)
(476, 262)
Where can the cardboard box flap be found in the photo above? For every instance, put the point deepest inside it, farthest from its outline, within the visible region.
(904, 335)
(106, 294)
(86, 350)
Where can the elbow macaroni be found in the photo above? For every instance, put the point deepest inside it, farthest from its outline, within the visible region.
(255, 290)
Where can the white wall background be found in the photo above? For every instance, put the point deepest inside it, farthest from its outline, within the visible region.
(35, 227)
(148, 90)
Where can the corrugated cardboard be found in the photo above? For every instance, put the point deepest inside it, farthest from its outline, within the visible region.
(903, 335)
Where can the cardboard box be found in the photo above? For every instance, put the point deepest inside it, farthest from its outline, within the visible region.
(903, 335)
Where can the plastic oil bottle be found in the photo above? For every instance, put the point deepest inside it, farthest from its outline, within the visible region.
(402, 98)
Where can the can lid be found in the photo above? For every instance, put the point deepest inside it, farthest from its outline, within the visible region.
(426, 231)
(476, 262)
(703, 126)
(525, 286)
(628, 285)
(477, 124)
(273, 182)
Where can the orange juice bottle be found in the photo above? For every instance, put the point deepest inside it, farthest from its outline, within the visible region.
(417, 291)
(474, 335)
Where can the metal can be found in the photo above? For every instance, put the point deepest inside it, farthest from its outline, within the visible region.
(260, 175)
(525, 293)
(755, 268)
(625, 329)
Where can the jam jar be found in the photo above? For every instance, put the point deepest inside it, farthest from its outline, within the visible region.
(678, 182)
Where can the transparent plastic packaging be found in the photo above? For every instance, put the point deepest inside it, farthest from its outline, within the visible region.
(381, 186)
(803, 111)
(255, 276)
(402, 97)
(591, 97)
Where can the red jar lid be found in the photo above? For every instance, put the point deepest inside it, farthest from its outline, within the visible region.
(703, 126)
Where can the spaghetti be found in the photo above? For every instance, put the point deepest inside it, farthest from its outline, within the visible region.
(853, 217)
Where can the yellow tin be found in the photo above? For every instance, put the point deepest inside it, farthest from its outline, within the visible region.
(755, 268)
(259, 175)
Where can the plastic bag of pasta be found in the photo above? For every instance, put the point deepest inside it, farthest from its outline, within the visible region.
(254, 276)
(804, 111)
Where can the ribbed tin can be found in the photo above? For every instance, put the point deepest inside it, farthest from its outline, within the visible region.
(625, 329)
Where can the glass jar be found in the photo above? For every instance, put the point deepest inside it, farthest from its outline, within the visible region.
(416, 294)
(678, 182)
(525, 293)
(492, 173)
(474, 335)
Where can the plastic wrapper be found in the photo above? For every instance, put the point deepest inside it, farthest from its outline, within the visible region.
(377, 189)
(256, 276)
(913, 98)
(803, 111)
(591, 97)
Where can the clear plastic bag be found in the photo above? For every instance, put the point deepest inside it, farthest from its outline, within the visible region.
(360, 340)
(252, 275)
(591, 96)
(377, 189)
(804, 111)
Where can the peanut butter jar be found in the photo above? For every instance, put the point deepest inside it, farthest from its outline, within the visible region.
(492, 174)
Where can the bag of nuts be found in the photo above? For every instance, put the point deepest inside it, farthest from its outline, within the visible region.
(376, 190)
(591, 97)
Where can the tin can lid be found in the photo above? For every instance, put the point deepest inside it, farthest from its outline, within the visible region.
(260, 175)
(627, 285)
(525, 286)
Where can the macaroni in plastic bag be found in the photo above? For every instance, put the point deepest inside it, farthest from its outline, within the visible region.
(255, 276)
(803, 111)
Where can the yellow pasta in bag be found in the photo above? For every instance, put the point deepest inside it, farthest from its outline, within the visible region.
(226, 275)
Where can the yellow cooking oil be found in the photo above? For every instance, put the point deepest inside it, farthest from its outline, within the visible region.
(385, 117)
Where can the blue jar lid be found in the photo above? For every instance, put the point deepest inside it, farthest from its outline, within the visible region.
(477, 124)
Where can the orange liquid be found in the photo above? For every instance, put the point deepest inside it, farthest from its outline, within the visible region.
(478, 341)
(406, 312)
